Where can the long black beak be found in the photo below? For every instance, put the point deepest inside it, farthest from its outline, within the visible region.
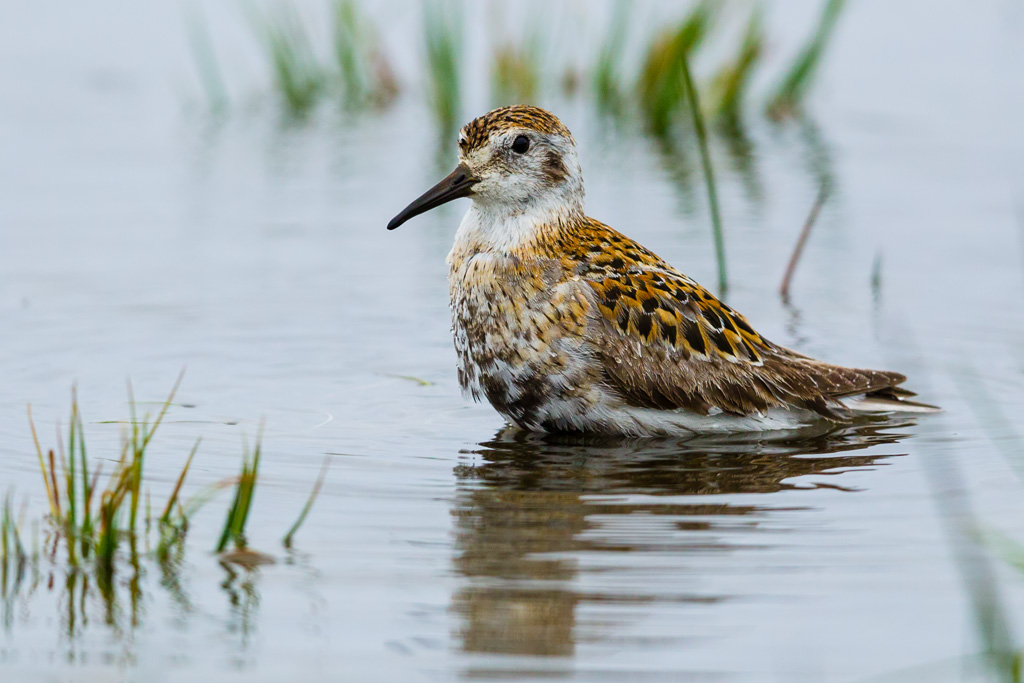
(459, 183)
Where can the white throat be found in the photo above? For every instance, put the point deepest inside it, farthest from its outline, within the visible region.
(496, 227)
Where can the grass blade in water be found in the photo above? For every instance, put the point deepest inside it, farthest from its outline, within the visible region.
(210, 75)
(287, 542)
(607, 79)
(660, 85)
(728, 86)
(798, 250)
(298, 73)
(245, 489)
(709, 175)
(165, 518)
(443, 34)
(791, 92)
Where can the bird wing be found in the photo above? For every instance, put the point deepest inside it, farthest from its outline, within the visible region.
(666, 343)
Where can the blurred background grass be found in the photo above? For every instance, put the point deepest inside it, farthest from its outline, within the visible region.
(629, 68)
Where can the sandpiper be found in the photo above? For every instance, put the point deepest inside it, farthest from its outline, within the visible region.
(565, 324)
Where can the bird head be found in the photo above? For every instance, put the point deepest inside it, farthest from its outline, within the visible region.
(514, 160)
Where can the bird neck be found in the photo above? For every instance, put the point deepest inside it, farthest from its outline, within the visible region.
(506, 228)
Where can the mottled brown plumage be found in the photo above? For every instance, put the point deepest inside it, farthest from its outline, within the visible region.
(706, 354)
(477, 133)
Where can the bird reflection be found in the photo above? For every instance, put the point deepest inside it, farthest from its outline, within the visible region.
(530, 508)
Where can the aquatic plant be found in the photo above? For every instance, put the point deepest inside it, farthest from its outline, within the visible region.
(790, 93)
(729, 85)
(13, 556)
(798, 248)
(709, 175)
(607, 78)
(515, 76)
(350, 49)
(287, 542)
(443, 39)
(365, 74)
(99, 526)
(660, 85)
(299, 76)
(91, 521)
(205, 57)
(360, 74)
(241, 504)
(245, 490)
(1001, 654)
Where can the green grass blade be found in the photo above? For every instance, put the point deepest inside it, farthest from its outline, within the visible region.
(709, 175)
(71, 482)
(794, 87)
(443, 38)
(165, 518)
(349, 49)
(163, 408)
(86, 530)
(50, 493)
(245, 488)
(660, 85)
(299, 77)
(205, 57)
(287, 542)
(53, 484)
(229, 522)
(516, 71)
(248, 492)
(607, 78)
(729, 85)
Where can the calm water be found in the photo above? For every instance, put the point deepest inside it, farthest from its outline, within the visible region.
(139, 236)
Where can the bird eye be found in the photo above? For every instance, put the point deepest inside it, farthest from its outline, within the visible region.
(521, 144)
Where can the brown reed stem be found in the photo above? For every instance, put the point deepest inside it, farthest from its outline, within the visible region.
(798, 250)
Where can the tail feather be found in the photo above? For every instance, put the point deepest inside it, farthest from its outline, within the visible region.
(863, 391)
(888, 402)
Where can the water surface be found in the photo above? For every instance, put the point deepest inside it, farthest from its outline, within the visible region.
(139, 235)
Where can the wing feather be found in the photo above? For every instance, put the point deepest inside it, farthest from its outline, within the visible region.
(666, 343)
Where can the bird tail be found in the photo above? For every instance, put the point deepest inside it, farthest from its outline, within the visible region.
(891, 400)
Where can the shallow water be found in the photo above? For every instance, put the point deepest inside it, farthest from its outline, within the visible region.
(139, 236)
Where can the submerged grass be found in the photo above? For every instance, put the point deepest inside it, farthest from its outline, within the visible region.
(365, 75)
(92, 522)
(791, 92)
(287, 542)
(607, 80)
(245, 491)
(516, 72)
(1001, 654)
(356, 70)
(709, 174)
(299, 76)
(729, 86)
(210, 75)
(13, 555)
(443, 39)
(100, 525)
(801, 241)
(350, 38)
(660, 85)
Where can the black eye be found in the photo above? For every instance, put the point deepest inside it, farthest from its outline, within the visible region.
(521, 144)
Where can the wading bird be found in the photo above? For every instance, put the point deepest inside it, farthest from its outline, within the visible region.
(565, 324)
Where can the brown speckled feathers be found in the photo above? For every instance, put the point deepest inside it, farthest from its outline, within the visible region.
(477, 132)
(669, 343)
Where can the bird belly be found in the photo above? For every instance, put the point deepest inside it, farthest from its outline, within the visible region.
(519, 337)
(612, 417)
